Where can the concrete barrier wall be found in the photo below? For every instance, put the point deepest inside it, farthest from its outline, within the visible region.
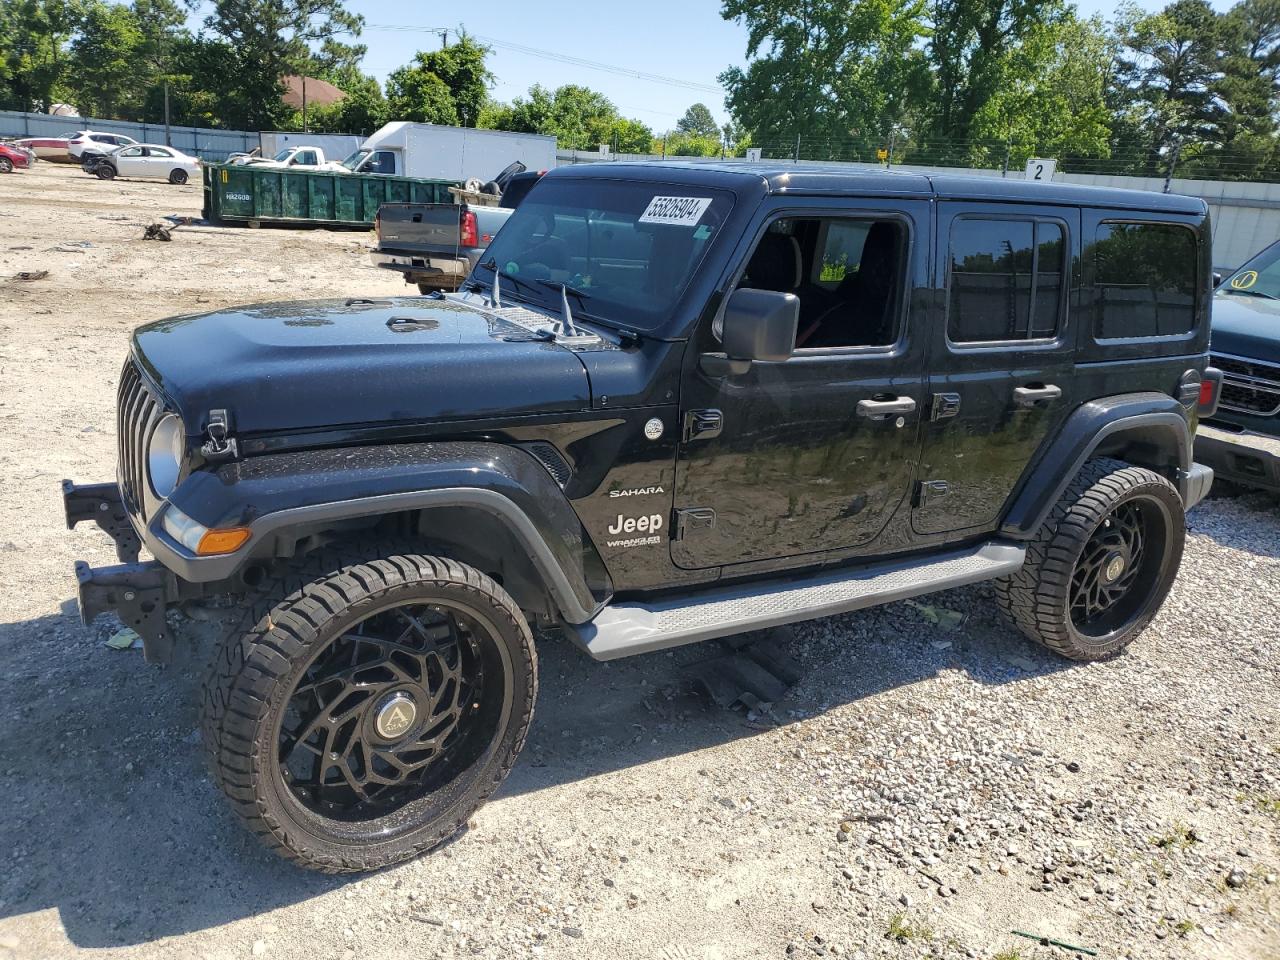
(1246, 216)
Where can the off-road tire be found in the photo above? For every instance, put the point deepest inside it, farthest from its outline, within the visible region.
(178, 177)
(6, 165)
(254, 672)
(1037, 599)
(105, 171)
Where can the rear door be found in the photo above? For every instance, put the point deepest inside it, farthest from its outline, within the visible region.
(1001, 369)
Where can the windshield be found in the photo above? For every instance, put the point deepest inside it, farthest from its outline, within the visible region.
(1260, 277)
(628, 248)
(353, 161)
(283, 155)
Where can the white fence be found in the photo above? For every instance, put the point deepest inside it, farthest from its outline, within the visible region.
(203, 142)
(1245, 216)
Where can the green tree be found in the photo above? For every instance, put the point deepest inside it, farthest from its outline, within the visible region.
(1248, 88)
(421, 96)
(698, 121)
(268, 39)
(1051, 99)
(678, 143)
(362, 110)
(578, 117)
(442, 86)
(826, 69)
(1172, 71)
(103, 63)
(974, 48)
(33, 54)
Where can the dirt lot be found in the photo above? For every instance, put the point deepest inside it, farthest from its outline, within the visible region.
(921, 792)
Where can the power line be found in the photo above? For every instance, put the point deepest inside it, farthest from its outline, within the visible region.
(562, 58)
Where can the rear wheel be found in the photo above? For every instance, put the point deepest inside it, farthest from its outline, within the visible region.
(1102, 563)
(105, 171)
(365, 715)
(178, 176)
(6, 165)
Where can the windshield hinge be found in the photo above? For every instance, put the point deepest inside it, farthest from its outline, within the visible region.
(220, 445)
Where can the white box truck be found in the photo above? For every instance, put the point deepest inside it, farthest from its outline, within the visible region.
(434, 152)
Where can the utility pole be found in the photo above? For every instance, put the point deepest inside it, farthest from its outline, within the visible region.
(893, 132)
(444, 39)
(1173, 163)
(797, 154)
(168, 139)
(304, 101)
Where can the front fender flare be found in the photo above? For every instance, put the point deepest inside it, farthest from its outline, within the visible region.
(281, 492)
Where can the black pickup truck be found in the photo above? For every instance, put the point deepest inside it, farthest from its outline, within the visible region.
(673, 403)
(435, 245)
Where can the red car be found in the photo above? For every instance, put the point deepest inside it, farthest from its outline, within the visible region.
(13, 157)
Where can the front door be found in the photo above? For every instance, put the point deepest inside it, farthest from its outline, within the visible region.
(815, 453)
(1001, 376)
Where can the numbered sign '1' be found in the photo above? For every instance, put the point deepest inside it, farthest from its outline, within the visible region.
(1038, 169)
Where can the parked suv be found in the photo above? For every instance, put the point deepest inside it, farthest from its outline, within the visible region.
(1242, 440)
(673, 403)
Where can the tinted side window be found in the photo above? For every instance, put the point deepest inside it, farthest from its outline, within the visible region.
(1005, 280)
(384, 161)
(1146, 276)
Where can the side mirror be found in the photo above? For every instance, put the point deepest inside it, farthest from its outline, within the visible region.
(1217, 279)
(760, 325)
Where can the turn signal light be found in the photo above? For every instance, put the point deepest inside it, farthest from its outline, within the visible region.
(227, 540)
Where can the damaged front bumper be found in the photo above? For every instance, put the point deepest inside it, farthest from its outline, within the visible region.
(138, 592)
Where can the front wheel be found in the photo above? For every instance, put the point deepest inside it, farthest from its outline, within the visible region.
(1102, 563)
(364, 716)
(178, 177)
(6, 165)
(105, 171)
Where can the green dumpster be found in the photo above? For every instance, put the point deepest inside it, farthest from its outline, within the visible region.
(239, 194)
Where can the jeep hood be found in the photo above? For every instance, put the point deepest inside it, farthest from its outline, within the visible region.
(1245, 326)
(324, 363)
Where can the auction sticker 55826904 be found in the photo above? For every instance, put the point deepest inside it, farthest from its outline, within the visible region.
(679, 211)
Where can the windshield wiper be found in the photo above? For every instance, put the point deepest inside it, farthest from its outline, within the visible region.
(1250, 293)
(557, 285)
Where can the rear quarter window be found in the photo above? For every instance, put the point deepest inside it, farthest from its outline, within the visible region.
(1146, 278)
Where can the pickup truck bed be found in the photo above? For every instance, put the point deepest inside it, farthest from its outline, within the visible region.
(435, 245)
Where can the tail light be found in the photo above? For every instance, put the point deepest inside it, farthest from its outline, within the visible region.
(469, 235)
(1210, 391)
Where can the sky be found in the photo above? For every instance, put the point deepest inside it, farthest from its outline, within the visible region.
(686, 42)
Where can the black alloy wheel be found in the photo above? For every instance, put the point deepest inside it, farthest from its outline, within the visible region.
(387, 712)
(368, 708)
(1102, 563)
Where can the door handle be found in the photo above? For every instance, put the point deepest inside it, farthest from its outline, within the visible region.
(703, 424)
(888, 407)
(1030, 396)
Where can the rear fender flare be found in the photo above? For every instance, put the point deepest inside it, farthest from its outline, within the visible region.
(1153, 427)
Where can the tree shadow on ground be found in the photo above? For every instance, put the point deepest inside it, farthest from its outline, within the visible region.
(112, 820)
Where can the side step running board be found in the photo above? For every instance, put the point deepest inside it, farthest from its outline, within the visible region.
(624, 629)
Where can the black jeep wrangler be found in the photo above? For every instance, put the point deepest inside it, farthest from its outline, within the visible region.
(674, 402)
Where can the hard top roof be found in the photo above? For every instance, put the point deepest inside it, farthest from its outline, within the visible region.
(816, 179)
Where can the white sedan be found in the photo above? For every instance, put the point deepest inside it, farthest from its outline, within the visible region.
(148, 160)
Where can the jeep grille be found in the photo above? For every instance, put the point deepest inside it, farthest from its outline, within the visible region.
(137, 410)
(1248, 386)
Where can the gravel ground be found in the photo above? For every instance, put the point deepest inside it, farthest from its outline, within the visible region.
(921, 792)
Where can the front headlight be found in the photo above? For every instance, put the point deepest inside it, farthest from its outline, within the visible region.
(165, 450)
